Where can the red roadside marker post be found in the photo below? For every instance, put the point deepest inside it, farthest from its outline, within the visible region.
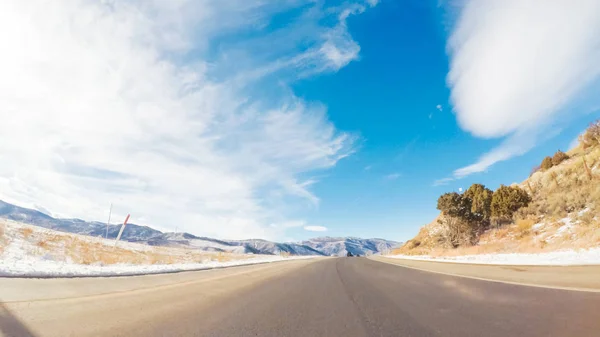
(122, 229)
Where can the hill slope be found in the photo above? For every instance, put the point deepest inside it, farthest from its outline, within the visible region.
(33, 251)
(356, 246)
(563, 214)
(153, 237)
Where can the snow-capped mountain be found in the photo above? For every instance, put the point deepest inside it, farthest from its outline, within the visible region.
(93, 228)
(342, 245)
(255, 246)
(143, 234)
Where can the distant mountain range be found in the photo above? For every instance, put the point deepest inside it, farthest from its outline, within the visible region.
(326, 246)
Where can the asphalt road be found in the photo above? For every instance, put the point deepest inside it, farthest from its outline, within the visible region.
(327, 297)
(582, 277)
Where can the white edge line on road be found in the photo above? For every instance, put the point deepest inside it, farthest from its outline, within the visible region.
(589, 290)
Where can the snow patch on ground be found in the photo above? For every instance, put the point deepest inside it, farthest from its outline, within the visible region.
(20, 256)
(565, 228)
(558, 258)
(17, 266)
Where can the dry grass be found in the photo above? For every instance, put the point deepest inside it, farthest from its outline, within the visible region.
(472, 250)
(83, 252)
(590, 233)
(3, 240)
(43, 244)
(500, 233)
(26, 232)
(524, 227)
(521, 238)
(87, 250)
(222, 257)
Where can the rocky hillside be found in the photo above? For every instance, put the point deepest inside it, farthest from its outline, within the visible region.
(561, 213)
(146, 235)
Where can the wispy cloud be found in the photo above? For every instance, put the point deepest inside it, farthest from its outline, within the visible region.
(517, 66)
(407, 148)
(516, 144)
(368, 167)
(443, 182)
(372, 3)
(393, 176)
(159, 108)
(315, 228)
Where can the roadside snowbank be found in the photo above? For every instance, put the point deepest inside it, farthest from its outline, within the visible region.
(558, 258)
(30, 251)
(15, 266)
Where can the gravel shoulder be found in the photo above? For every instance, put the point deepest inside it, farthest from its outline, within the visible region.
(585, 278)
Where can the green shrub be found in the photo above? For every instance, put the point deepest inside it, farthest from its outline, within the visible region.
(465, 215)
(454, 205)
(506, 200)
(559, 157)
(546, 163)
(480, 199)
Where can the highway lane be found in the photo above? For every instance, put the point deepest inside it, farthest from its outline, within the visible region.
(327, 297)
(582, 277)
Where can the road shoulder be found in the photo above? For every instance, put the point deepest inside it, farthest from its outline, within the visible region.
(578, 278)
(32, 289)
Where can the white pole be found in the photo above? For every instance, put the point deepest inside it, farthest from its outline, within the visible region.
(108, 222)
(121, 231)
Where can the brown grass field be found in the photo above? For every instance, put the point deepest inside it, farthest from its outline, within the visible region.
(82, 249)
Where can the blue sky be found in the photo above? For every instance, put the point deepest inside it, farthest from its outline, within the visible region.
(291, 119)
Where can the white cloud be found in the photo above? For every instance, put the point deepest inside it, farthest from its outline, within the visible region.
(368, 167)
(443, 182)
(393, 176)
(315, 228)
(146, 105)
(460, 189)
(289, 224)
(514, 145)
(517, 66)
(372, 3)
(339, 48)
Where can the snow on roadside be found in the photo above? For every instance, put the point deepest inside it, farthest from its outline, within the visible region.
(558, 258)
(17, 266)
(31, 251)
